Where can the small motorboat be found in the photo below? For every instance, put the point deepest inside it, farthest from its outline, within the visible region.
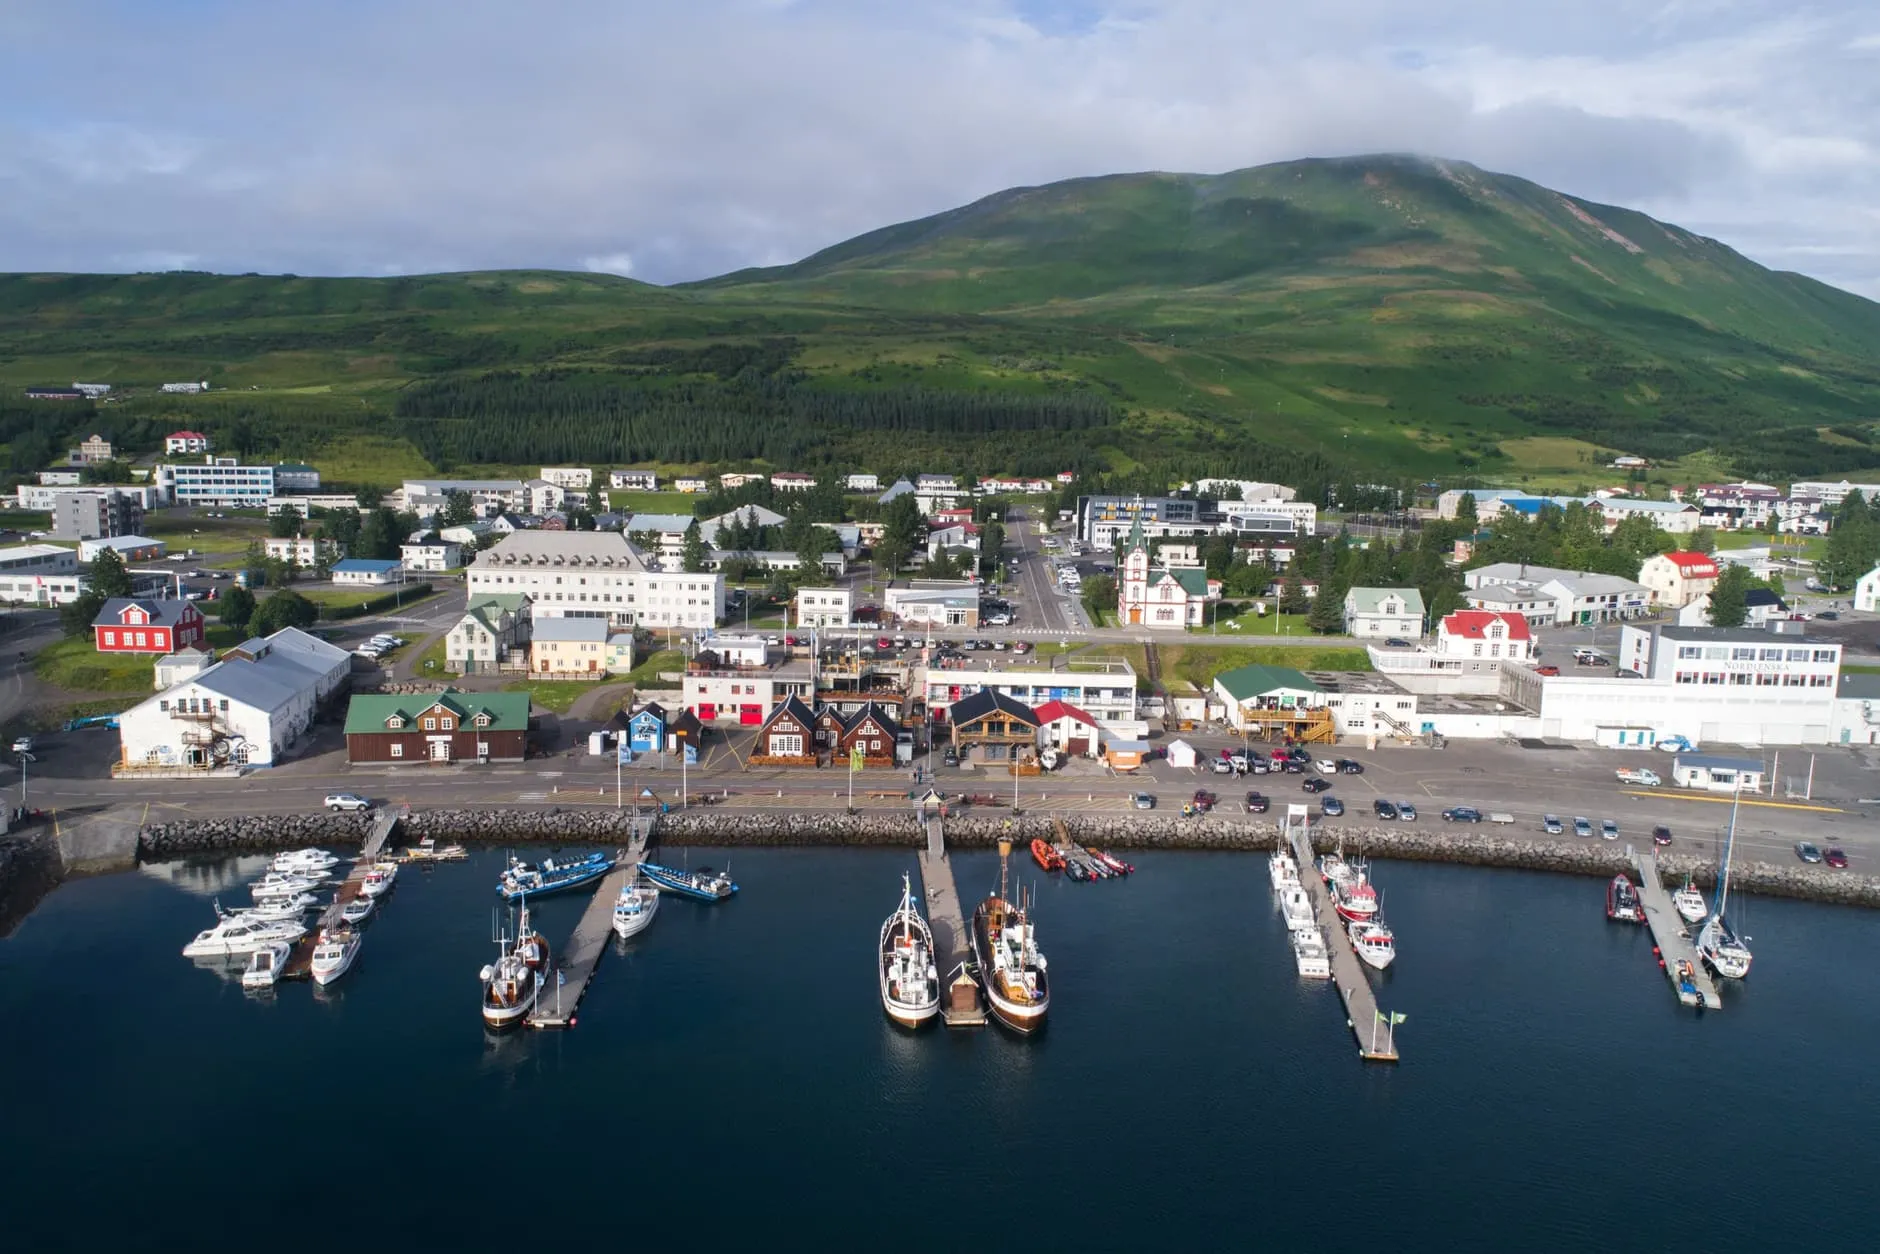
(233, 936)
(703, 884)
(635, 907)
(1690, 903)
(1281, 868)
(358, 910)
(334, 953)
(265, 964)
(277, 908)
(428, 850)
(275, 884)
(1075, 868)
(522, 879)
(304, 862)
(1296, 905)
(379, 879)
(1114, 863)
(1098, 867)
(1373, 942)
(1622, 901)
(1310, 955)
(1046, 855)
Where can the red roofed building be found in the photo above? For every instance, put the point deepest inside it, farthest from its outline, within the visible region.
(1485, 634)
(1677, 579)
(186, 442)
(1064, 726)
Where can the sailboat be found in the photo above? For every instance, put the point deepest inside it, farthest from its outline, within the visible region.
(910, 982)
(1005, 949)
(1719, 944)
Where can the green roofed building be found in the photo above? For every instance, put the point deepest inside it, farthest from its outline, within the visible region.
(1277, 702)
(1173, 598)
(448, 726)
(493, 625)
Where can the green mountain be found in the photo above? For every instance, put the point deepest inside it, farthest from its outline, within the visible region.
(1374, 318)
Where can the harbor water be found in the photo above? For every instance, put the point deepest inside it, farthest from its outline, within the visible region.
(732, 1079)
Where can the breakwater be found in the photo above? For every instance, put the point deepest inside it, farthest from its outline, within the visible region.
(708, 826)
(29, 867)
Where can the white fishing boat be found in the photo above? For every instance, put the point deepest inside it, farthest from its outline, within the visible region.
(304, 862)
(333, 955)
(1296, 904)
(379, 878)
(635, 907)
(234, 935)
(1726, 952)
(510, 984)
(275, 884)
(910, 982)
(1689, 903)
(1373, 943)
(265, 965)
(1354, 897)
(1012, 969)
(1282, 868)
(358, 910)
(1333, 868)
(1310, 954)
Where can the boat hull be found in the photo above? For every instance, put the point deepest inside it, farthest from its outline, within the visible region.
(627, 925)
(1024, 1018)
(907, 1015)
(585, 874)
(679, 884)
(326, 974)
(511, 1014)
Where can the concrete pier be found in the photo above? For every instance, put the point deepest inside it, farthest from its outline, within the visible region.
(948, 922)
(1671, 935)
(575, 964)
(1376, 1037)
(384, 822)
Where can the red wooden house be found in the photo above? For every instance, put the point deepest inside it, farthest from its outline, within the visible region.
(140, 625)
(788, 735)
(876, 732)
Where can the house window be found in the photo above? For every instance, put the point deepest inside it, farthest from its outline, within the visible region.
(782, 745)
(398, 751)
(110, 637)
(430, 724)
(481, 720)
(224, 705)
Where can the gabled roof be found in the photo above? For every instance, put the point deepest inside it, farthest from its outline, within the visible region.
(364, 565)
(1756, 597)
(793, 706)
(368, 712)
(978, 705)
(1367, 600)
(161, 613)
(1246, 682)
(570, 630)
(900, 487)
(1688, 561)
(1052, 711)
(1192, 579)
(1474, 624)
(652, 709)
(885, 720)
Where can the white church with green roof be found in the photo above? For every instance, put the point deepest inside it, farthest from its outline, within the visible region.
(1171, 598)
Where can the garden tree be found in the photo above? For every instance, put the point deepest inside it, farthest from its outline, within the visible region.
(113, 471)
(944, 566)
(458, 509)
(1292, 594)
(286, 523)
(341, 526)
(279, 571)
(647, 541)
(1727, 607)
(1703, 540)
(1642, 538)
(254, 561)
(1327, 615)
(991, 546)
(1853, 545)
(75, 616)
(106, 575)
(283, 609)
(381, 532)
(1466, 512)
(236, 606)
(581, 520)
(596, 500)
(693, 554)
(816, 541)
(1099, 596)
(1217, 556)
(1232, 492)
(368, 497)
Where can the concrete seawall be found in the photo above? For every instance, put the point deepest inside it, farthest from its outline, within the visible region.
(1472, 847)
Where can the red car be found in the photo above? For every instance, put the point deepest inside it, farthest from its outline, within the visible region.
(1834, 857)
(1546, 670)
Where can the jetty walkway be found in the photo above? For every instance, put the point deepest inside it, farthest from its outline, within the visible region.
(1671, 937)
(574, 970)
(1376, 1036)
(961, 1005)
(384, 822)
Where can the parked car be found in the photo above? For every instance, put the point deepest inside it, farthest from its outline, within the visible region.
(1406, 812)
(1143, 801)
(1551, 824)
(1395, 643)
(1804, 849)
(1221, 766)
(1205, 800)
(1608, 829)
(346, 801)
(1292, 766)
(1582, 826)
(1299, 753)
(1833, 856)
(1348, 767)
(1661, 835)
(1331, 807)
(1257, 803)
(1462, 814)
(951, 757)
(1314, 783)
(1546, 670)
(23, 745)
(1021, 646)
(1326, 766)
(1829, 616)
(1384, 809)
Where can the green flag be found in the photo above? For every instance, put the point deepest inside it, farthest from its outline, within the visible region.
(855, 757)
(1396, 1018)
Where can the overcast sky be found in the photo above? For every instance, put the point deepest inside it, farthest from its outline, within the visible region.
(676, 139)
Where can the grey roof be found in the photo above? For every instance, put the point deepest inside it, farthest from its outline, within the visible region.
(599, 550)
(161, 613)
(1509, 593)
(271, 683)
(1856, 686)
(1716, 761)
(900, 487)
(377, 565)
(746, 514)
(1736, 635)
(659, 522)
(577, 630)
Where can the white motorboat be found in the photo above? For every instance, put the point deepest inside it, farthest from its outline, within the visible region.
(1726, 952)
(635, 907)
(910, 982)
(333, 955)
(275, 884)
(1282, 868)
(358, 910)
(265, 964)
(1690, 903)
(379, 878)
(1296, 904)
(304, 862)
(1374, 943)
(277, 908)
(234, 935)
(1310, 955)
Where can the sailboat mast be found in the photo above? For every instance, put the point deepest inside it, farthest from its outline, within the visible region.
(1729, 846)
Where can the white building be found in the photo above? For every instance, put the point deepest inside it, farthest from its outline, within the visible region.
(61, 478)
(129, 548)
(46, 496)
(596, 574)
(1832, 494)
(635, 480)
(1677, 579)
(186, 443)
(1483, 634)
(218, 481)
(1384, 612)
(1557, 597)
(1104, 688)
(1169, 598)
(569, 478)
(863, 482)
(187, 388)
(792, 481)
(39, 574)
(1249, 490)
(1867, 592)
(1675, 517)
(307, 504)
(691, 484)
(443, 555)
(366, 572)
(245, 710)
(824, 607)
(934, 602)
(740, 679)
(425, 497)
(305, 552)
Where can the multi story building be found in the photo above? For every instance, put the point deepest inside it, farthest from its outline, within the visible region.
(578, 648)
(91, 515)
(1832, 494)
(1170, 598)
(187, 443)
(140, 625)
(128, 548)
(569, 478)
(92, 450)
(443, 555)
(742, 679)
(596, 574)
(39, 574)
(1484, 634)
(492, 627)
(1548, 596)
(1677, 579)
(934, 602)
(862, 481)
(633, 480)
(1384, 612)
(1104, 688)
(303, 551)
(217, 481)
(1674, 517)
(824, 607)
(792, 481)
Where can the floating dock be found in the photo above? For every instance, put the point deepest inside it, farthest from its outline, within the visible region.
(1376, 1036)
(944, 917)
(300, 962)
(574, 968)
(1671, 936)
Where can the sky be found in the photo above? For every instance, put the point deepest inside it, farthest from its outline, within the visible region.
(677, 140)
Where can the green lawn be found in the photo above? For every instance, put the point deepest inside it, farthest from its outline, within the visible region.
(1250, 625)
(431, 661)
(353, 596)
(650, 502)
(181, 529)
(76, 665)
(552, 694)
(1808, 548)
(1199, 663)
(646, 674)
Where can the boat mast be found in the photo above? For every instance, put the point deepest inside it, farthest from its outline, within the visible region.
(1005, 857)
(1729, 845)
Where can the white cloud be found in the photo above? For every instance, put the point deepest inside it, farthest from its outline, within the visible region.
(681, 141)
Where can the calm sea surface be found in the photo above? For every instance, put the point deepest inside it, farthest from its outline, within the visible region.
(732, 1079)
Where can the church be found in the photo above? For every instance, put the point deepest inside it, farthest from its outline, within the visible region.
(1169, 597)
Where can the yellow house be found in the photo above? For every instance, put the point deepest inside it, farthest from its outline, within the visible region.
(569, 648)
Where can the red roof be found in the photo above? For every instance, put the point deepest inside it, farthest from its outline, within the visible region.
(1474, 624)
(187, 435)
(1692, 563)
(1052, 711)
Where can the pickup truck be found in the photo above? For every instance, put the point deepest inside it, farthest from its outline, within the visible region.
(1648, 779)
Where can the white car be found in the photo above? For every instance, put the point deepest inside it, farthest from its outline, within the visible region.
(1326, 766)
(347, 801)
(23, 745)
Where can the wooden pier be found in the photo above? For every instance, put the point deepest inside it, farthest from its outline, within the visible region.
(944, 917)
(1672, 937)
(300, 962)
(574, 965)
(1376, 1035)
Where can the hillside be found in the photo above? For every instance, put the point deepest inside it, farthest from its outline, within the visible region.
(1369, 319)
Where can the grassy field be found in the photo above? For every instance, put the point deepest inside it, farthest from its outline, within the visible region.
(1250, 624)
(646, 674)
(187, 529)
(553, 694)
(75, 664)
(650, 502)
(1199, 664)
(353, 596)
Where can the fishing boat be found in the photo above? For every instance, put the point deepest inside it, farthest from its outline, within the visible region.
(1333, 868)
(635, 907)
(1114, 863)
(236, 935)
(1005, 949)
(1281, 868)
(379, 879)
(1726, 952)
(358, 910)
(1310, 955)
(333, 955)
(274, 884)
(510, 985)
(1045, 855)
(1296, 906)
(265, 964)
(1374, 943)
(1354, 897)
(523, 879)
(531, 946)
(910, 982)
(703, 884)
(1689, 902)
(1622, 901)
(304, 862)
